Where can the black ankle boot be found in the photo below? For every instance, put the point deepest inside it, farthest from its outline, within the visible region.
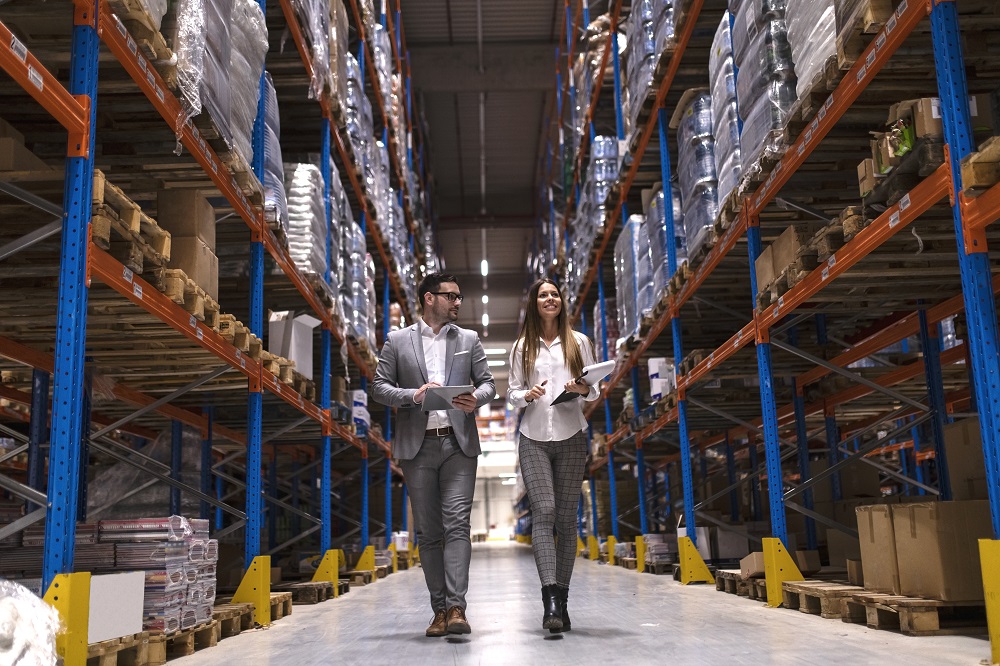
(562, 593)
(552, 618)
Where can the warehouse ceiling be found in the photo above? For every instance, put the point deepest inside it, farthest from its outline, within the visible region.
(484, 76)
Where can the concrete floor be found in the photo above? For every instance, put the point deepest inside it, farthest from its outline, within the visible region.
(618, 617)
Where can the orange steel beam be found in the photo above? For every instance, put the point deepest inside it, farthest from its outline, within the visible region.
(712, 260)
(899, 330)
(19, 353)
(896, 30)
(893, 220)
(292, 21)
(741, 339)
(70, 111)
(668, 79)
(982, 211)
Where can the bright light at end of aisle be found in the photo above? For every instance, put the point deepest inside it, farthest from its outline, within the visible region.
(485, 268)
(495, 351)
(507, 475)
(508, 482)
(486, 299)
(496, 364)
(486, 319)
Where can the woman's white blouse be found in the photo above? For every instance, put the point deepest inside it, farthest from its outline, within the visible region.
(542, 421)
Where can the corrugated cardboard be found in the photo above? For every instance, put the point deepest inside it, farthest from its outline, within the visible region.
(868, 177)
(855, 573)
(856, 481)
(785, 249)
(842, 547)
(15, 157)
(194, 257)
(752, 566)
(924, 115)
(186, 213)
(878, 548)
(963, 448)
(7, 131)
(937, 545)
(807, 561)
(764, 268)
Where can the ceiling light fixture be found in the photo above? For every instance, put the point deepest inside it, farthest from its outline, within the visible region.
(495, 351)
(486, 319)
(484, 268)
(496, 363)
(486, 299)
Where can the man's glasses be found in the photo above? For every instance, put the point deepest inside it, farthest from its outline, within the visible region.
(450, 295)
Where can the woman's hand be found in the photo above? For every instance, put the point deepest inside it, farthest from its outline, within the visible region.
(536, 392)
(577, 386)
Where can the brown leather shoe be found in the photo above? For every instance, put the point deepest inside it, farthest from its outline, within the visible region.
(457, 624)
(438, 625)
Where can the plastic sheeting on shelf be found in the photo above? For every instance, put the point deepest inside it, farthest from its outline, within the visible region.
(633, 275)
(306, 218)
(725, 118)
(812, 34)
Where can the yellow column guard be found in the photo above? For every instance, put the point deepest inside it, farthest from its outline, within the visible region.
(70, 595)
(778, 567)
(255, 588)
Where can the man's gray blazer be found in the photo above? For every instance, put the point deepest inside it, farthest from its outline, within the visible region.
(402, 370)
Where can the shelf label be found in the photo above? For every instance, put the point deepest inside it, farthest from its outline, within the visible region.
(821, 114)
(879, 42)
(200, 334)
(781, 301)
(894, 220)
(904, 203)
(141, 62)
(121, 27)
(777, 309)
(890, 25)
(901, 9)
(133, 48)
(832, 261)
(19, 49)
(192, 322)
(159, 93)
(862, 72)
(802, 149)
(137, 290)
(825, 273)
(150, 78)
(870, 60)
(127, 274)
(36, 78)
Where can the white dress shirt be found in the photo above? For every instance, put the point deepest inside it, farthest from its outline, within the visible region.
(542, 421)
(435, 355)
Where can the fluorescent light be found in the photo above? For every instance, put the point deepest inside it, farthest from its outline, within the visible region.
(486, 319)
(496, 363)
(495, 351)
(508, 482)
(486, 299)
(507, 475)
(485, 268)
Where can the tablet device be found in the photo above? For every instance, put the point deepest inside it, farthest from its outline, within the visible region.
(440, 397)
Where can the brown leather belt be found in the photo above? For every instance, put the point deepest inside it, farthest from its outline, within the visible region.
(439, 432)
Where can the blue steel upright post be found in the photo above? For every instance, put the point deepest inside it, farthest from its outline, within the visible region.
(687, 477)
(977, 291)
(326, 341)
(176, 458)
(255, 398)
(608, 428)
(935, 395)
(37, 432)
(799, 405)
(71, 311)
(206, 463)
(388, 417)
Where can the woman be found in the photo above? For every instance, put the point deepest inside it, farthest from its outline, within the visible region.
(545, 361)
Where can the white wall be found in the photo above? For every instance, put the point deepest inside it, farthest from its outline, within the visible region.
(501, 505)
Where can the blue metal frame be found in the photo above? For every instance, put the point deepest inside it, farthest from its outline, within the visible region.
(755, 504)
(37, 432)
(270, 508)
(206, 463)
(608, 425)
(977, 291)
(364, 502)
(832, 454)
(296, 496)
(769, 409)
(81, 480)
(176, 456)
(734, 495)
(802, 437)
(640, 461)
(404, 526)
(619, 121)
(71, 319)
(325, 502)
(931, 348)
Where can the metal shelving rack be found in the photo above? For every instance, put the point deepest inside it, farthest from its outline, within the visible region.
(801, 308)
(81, 261)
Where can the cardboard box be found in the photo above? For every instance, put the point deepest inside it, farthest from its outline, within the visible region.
(338, 390)
(842, 547)
(856, 481)
(659, 388)
(884, 154)
(194, 257)
(752, 566)
(785, 250)
(963, 448)
(924, 115)
(186, 213)
(15, 157)
(868, 177)
(878, 548)
(937, 545)
(275, 575)
(292, 338)
(855, 573)
(764, 268)
(807, 561)
(7, 131)
(659, 367)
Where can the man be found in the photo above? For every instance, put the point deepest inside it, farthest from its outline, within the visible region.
(438, 450)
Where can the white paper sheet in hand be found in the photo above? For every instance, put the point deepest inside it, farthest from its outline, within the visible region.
(591, 375)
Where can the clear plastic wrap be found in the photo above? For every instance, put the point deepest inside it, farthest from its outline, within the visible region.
(696, 164)
(768, 61)
(155, 9)
(167, 578)
(189, 48)
(751, 15)
(28, 627)
(164, 621)
(660, 237)
(306, 218)
(696, 121)
(189, 616)
(314, 15)
(151, 555)
(216, 83)
(762, 129)
(168, 528)
(700, 210)
(812, 34)
(633, 275)
(246, 62)
(338, 42)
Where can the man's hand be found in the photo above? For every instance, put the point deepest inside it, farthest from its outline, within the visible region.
(466, 402)
(418, 397)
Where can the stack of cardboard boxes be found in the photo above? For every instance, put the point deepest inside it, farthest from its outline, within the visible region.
(190, 219)
(14, 155)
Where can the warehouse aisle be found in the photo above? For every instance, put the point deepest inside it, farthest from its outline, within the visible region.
(618, 616)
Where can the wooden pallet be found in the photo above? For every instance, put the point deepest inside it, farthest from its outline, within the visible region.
(182, 643)
(731, 581)
(308, 592)
(923, 160)
(233, 619)
(816, 597)
(660, 568)
(856, 31)
(146, 244)
(185, 292)
(125, 651)
(627, 562)
(757, 589)
(981, 170)
(281, 605)
(813, 98)
(913, 616)
(143, 30)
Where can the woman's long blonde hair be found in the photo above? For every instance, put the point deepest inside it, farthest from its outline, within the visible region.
(531, 331)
